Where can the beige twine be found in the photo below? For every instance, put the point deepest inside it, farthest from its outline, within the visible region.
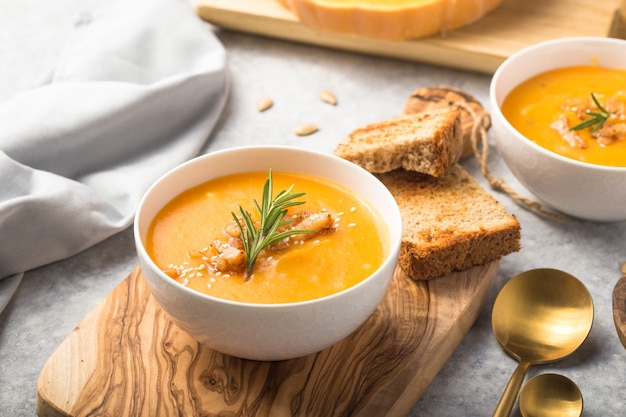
(479, 142)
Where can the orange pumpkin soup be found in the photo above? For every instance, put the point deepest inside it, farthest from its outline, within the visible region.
(578, 112)
(191, 237)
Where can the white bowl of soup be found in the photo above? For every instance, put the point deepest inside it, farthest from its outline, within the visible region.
(304, 292)
(560, 124)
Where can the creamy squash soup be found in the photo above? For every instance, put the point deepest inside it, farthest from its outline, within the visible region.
(321, 238)
(578, 112)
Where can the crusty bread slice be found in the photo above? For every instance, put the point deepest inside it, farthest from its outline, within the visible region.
(425, 142)
(427, 99)
(450, 223)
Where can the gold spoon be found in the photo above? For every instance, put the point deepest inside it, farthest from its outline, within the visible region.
(550, 395)
(539, 316)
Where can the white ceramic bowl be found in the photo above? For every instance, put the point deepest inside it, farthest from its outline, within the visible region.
(262, 331)
(579, 189)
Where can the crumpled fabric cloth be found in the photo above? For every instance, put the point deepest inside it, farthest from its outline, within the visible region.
(137, 91)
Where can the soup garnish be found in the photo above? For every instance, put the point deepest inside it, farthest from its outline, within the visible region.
(598, 119)
(272, 226)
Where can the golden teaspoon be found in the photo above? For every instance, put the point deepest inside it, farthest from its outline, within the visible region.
(550, 395)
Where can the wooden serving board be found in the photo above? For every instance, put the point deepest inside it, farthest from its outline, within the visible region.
(619, 308)
(480, 47)
(127, 359)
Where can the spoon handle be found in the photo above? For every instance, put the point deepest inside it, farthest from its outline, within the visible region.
(505, 405)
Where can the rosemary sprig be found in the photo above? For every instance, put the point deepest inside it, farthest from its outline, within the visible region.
(598, 119)
(272, 212)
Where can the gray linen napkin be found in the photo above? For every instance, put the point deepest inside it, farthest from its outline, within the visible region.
(137, 91)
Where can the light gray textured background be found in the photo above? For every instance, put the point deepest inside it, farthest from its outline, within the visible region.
(53, 299)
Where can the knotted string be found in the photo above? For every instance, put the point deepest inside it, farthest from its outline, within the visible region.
(480, 147)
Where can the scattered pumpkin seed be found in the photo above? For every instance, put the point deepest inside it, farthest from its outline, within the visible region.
(305, 129)
(328, 97)
(264, 103)
(624, 267)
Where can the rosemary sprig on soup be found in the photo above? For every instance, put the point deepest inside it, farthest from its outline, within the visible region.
(317, 241)
(597, 120)
(273, 229)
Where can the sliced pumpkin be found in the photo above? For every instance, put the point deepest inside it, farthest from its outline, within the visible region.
(390, 19)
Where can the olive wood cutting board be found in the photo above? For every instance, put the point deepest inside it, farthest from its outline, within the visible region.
(127, 359)
(619, 308)
(480, 47)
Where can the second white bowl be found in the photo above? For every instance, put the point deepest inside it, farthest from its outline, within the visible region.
(582, 190)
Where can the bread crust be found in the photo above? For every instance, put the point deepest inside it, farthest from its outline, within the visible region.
(426, 142)
(449, 223)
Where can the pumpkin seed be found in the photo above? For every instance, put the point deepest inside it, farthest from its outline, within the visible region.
(328, 97)
(264, 103)
(624, 267)
(305, 129)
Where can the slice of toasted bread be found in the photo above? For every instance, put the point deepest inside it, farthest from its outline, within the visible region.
(426, 142)
(427, 99)
(449, 223)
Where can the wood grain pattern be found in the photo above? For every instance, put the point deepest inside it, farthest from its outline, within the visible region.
(127, 359)
(619, 308)
(480, 47)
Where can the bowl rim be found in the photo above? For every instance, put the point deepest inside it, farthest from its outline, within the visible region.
(512, 60)
(391, 257)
